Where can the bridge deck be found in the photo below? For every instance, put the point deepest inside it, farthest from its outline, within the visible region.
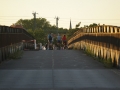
(57, 70)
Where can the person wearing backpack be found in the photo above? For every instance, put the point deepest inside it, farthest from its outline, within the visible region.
(50, 42)
(50, 38)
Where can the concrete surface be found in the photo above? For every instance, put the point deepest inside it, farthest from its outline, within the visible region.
(57, 70)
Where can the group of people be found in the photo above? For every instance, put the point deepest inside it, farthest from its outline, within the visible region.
(60, 41)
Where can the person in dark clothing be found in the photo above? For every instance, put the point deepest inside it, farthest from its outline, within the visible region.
(50, 45)
(50, 38)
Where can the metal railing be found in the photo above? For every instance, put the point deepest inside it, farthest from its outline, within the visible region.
(9, 35)
(13, 39)
(104, 35)
(102, 41)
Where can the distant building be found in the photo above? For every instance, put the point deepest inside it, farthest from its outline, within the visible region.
(70, 25)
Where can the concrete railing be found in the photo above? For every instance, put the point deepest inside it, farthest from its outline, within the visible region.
(103, 41)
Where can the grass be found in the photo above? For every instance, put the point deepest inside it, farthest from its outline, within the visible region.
(16, 55)
(107, 62)
(89, 53)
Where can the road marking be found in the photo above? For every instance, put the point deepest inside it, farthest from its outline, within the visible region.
(52, 70)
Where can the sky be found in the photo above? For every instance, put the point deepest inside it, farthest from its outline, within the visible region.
(85, 11)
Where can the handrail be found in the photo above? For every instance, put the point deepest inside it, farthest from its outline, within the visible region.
(102, 41)
(103, 30)
(11, 35)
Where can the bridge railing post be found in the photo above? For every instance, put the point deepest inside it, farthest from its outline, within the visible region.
(106, 38)
(0, 55)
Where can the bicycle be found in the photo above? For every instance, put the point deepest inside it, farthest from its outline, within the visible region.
(64, 45)
(50, 45)
(58, 45)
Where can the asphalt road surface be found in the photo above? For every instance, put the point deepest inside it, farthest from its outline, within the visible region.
(57, 70)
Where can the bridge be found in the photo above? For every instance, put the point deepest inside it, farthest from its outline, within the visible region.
(70, 69)
(13, 39)
(101, 41)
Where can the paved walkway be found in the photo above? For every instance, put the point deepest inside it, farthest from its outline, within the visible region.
(57, 70)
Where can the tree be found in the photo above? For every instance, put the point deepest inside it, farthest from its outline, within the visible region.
(93, 25)
(43, 27)
(77, 25)
(29, 23)
(39, 35)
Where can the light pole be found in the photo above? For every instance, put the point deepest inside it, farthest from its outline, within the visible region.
(57, 18)
(34, 14)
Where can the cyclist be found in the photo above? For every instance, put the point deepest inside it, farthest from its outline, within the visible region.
(59, 41)
(50, 38)
(50, 41)
(64, 41)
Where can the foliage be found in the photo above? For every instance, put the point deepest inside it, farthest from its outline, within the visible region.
(16, 55)
(78, 25)
(39, 35)
(43, 28)
(93, 25)
(107, 62)
(71, 32)
(41, 23)
(62, 31)
(88, 52)
(29, 23)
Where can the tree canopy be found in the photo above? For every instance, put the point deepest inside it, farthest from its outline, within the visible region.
(92, 25)
(29, 23)
(43, 28)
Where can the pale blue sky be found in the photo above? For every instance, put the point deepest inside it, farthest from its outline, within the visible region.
(84, 11)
